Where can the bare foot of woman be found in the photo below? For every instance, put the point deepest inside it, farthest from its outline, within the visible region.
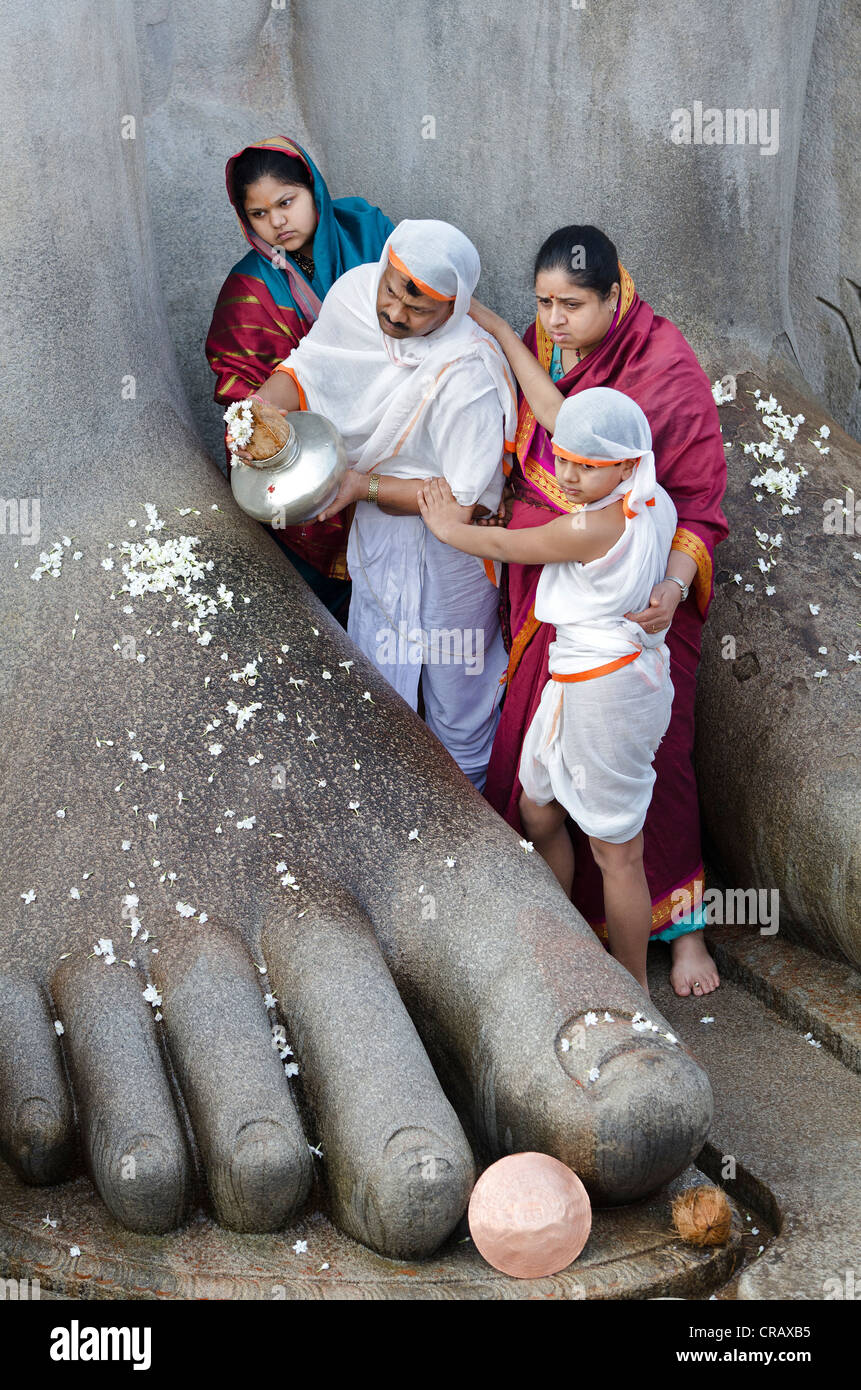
(693, 971)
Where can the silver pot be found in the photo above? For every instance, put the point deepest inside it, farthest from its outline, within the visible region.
(300, 480)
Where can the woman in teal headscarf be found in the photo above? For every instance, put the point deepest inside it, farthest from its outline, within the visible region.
(301, 241)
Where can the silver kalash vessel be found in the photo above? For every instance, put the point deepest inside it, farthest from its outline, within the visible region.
(295, 484)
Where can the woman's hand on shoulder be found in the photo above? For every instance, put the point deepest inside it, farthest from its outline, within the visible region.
(663, 602)
(486, 318)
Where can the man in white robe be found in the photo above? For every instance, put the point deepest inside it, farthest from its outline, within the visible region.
(417, 390)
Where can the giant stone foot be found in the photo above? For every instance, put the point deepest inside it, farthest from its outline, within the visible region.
(249, 905)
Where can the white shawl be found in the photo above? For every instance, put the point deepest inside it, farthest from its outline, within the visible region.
(376, 389)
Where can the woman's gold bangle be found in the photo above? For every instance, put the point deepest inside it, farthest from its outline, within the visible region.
(373, 487)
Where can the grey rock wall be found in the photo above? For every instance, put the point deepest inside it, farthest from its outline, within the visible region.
(534, 116)
(825, 268)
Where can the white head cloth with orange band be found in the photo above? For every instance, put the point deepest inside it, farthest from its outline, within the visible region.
(603, 427)
(377, 389)
(586, 603)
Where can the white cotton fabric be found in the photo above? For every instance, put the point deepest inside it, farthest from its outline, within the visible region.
(591, 743)
(435, 406)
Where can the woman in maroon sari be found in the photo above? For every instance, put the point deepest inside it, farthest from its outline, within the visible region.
(592, 329)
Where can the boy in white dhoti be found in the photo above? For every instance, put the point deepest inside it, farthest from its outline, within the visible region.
(416, 389)
(589, 749)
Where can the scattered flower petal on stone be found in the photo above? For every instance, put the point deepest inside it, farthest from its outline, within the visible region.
(104, 947)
